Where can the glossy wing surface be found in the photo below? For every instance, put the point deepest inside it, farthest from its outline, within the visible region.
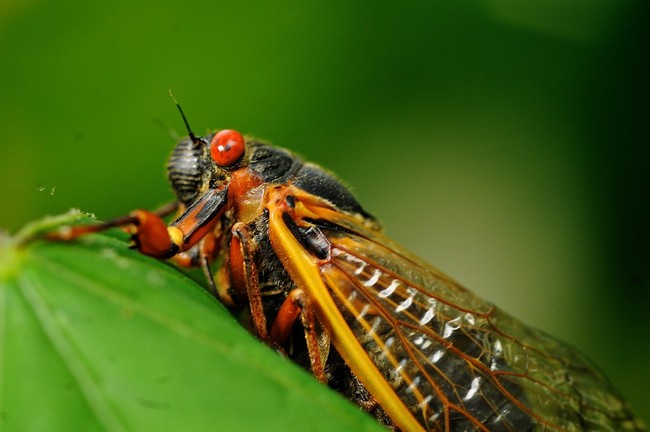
(456, 361)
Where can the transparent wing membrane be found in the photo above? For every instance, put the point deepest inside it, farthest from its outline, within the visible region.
(456, 361)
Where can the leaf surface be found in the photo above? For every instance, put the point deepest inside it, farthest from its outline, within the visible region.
(94, 336)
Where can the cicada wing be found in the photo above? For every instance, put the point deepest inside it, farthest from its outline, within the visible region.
(456, 361)
(423, 344)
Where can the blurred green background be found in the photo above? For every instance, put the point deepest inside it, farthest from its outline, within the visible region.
(503, 141)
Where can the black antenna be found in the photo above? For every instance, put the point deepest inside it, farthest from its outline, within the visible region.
(195, 140)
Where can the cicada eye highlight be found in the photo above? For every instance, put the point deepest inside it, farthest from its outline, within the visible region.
(227, 147)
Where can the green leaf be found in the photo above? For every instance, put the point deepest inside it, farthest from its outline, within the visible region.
(95, 336)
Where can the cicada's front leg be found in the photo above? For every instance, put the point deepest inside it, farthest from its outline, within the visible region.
(150, 233)
(152, 236)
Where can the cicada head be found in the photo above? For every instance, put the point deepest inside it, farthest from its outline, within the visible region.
(243, 169)
(201, 163)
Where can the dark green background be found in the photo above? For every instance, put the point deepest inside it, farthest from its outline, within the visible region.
(506, 143)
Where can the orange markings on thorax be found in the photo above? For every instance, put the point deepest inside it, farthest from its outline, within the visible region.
(245, 194)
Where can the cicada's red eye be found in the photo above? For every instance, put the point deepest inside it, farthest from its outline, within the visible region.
(227, 147)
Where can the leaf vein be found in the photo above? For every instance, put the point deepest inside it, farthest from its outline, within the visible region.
(56, 332)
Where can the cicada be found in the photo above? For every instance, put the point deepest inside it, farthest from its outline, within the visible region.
(311, 274)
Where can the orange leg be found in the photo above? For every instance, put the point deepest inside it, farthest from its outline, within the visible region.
(207, 253)
(297, 304)
(244, 277)
(201, 255)
(151, 235)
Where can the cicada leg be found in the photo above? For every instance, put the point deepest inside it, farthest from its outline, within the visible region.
(296, 305)
(151, 235)
(245, 279)
(202, 255)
